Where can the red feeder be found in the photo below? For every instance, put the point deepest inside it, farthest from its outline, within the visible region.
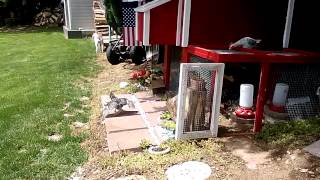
(245, 110)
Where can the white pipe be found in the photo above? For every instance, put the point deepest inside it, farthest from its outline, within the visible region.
(69, 13)
(287, 30)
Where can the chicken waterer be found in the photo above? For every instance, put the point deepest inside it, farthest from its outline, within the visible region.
(245, 110)
(279, 98)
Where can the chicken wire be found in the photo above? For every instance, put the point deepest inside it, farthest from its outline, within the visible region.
(199, 99)
(175, 69)
(303, 81)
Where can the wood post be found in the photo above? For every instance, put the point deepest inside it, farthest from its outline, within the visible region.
(166, 65)
(264, 77)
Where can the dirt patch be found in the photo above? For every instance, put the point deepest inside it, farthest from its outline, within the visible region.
(263, 164)
(106, 81)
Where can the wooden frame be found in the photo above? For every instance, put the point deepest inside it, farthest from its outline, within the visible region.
(213, 131)
(146, 29)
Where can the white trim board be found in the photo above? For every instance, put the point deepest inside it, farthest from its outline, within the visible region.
(287, 30)
(186, 23)
(146, 28)
(179, 23)
(185, 68)
(151, 5)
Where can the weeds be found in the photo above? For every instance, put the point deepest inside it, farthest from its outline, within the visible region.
(293, 134)
(155, 165)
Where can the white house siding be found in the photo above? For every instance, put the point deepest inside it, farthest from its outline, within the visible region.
(81, 14)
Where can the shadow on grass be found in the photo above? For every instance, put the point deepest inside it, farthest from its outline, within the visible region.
(29, 29)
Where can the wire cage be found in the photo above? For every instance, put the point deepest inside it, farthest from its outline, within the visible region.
(303, 80)
(200, 86)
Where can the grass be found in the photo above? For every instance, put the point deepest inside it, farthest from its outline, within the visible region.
(293, 134)
(37, 75)
(154, 166)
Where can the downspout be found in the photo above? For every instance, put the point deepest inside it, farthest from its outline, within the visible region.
(69, 13)
(287, 30)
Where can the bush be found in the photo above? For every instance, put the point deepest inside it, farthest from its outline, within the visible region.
(113, 13)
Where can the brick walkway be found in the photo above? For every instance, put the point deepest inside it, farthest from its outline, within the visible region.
(128, 129)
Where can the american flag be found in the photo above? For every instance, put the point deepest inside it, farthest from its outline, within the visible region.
(128, 21)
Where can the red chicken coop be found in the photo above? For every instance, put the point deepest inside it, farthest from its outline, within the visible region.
(201, 31)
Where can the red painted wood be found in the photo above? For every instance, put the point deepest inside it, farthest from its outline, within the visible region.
(163, 23)
(255, 56)
(264, 77)
(220, 22)
(140, 26)
(166, 65)
(185, 56)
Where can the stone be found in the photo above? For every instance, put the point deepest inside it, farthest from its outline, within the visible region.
(132, 177)
(123, 85)
(22, 151)
(55, 137)
(189, 170)
(287, 161)
(66, 106)
(251, 165)
(292, 157)
(304, 170)
(84, 98)
(288, 152)
(44, 151)
(314, 148)
(80, 111)
(310, 172)
(79, 124)
(67, 115)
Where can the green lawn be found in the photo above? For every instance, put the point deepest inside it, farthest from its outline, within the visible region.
(38, 71)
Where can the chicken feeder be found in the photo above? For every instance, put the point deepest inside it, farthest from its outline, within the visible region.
(279, 97)
(245, 110)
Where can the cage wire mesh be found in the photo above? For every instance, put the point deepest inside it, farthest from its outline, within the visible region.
(200, 90)
(175, 69)
(152, 56)
(199, 95)
(303, 81)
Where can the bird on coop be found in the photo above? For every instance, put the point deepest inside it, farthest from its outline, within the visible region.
(115, 105)
(246, 42)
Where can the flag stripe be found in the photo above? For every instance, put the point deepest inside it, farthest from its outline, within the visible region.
(132, 36)
(126, 36)
(130, 21)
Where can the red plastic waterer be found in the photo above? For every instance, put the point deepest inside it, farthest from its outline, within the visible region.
(245, 110)
(279, 98)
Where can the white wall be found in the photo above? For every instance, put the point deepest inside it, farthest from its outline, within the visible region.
(81, 14)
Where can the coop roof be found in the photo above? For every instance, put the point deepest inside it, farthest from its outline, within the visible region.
(151, 5)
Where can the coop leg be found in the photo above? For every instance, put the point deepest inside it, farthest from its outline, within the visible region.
(264, 76)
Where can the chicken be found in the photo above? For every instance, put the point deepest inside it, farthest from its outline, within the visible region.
(246, 42)
(116, 104)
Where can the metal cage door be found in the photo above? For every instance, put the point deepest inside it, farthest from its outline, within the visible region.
(199, 98)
